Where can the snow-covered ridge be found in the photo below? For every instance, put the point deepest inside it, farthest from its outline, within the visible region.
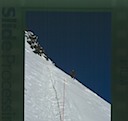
(52, 95)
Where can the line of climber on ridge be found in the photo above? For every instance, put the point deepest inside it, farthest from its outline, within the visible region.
(32, 40)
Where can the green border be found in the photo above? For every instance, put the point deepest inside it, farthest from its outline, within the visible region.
(120, 64)
(11, 97)
(11, 63)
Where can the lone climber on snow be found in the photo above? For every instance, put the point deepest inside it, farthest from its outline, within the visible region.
(73, 74)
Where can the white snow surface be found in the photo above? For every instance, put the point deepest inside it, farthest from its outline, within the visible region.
(52, 95)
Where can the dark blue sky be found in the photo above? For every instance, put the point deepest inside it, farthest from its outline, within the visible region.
(79, 41)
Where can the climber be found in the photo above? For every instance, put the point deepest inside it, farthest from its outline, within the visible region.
(73, 74)
(34, 44)
(29, 33)
(37, 49)
(46, 57)
(33, 37)
(41, 50)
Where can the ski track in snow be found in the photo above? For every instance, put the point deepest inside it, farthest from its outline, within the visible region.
(56, 95)
(44, 94)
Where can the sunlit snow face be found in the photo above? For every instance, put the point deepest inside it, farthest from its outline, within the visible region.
(51, 94)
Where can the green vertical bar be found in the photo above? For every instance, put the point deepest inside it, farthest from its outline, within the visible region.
(11, 61)
(120, 63)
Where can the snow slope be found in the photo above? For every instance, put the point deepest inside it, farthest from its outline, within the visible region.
(52, 95)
